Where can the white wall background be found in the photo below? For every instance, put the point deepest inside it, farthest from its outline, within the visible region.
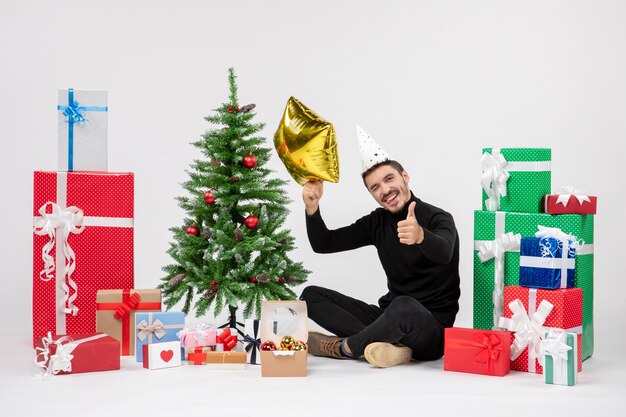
(432, 81)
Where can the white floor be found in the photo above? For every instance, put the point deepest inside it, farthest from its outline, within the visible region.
(332, 388)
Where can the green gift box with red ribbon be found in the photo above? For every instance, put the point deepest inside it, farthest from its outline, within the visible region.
(115, 313)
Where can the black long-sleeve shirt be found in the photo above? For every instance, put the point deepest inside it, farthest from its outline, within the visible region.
(428, 272)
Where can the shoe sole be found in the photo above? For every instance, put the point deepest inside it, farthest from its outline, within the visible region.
(385, 355)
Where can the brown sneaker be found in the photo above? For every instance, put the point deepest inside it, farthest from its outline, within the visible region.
(384, 355)
(324, 345)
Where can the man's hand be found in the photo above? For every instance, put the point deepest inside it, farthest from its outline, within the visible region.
(311, 194)
(409, 231)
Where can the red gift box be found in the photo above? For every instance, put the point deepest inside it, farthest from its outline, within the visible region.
(477, 351)
(77, 353)
(570, 201)
(197, 355)
(566, 314)
(83, 242)
(226, 339)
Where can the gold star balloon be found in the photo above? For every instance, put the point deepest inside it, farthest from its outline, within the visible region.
(306, 144)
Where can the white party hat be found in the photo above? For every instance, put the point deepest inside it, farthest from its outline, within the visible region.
(371, 152)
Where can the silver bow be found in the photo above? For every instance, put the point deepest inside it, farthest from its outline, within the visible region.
(146, 329)
(64, 221)
(494, 178)
(529, 331)
(566, 192)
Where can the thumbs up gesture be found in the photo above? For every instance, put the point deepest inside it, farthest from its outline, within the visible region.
(409, 230)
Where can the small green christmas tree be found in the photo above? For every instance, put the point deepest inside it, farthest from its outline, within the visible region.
(231, 250)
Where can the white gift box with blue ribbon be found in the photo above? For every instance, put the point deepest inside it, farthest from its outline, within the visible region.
(82, 130)
(548, 260)
(252, 341)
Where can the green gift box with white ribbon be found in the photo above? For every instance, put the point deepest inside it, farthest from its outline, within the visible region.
(515, 179)
(560, 352)
(497, 261)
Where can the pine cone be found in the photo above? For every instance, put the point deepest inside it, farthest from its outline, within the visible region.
(211, 291)
(262, 278)
(247, 108)
(206, 233)
(238, 235)
(290, 279)
(176, 280)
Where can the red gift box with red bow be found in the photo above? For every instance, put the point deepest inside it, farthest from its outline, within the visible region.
(477, 351)
(226, 339)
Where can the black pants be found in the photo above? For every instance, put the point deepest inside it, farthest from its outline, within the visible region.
(404, 321)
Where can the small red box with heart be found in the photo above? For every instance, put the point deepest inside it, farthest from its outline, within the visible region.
(161, 355)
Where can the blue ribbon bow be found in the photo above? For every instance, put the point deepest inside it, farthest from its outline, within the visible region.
(73, 112)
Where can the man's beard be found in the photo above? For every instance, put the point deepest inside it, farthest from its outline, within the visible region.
(402, 192)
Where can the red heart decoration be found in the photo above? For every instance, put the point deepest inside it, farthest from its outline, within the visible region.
(166, 355)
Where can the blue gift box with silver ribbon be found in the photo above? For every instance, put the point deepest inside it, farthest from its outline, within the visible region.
(82, 130)
(547, 262)
(157, 327)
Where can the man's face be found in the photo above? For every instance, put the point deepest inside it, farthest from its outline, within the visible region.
(388, 187)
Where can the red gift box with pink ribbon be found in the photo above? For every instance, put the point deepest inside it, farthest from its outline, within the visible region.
(530, 313)
(476, 351)
(83, 242)
(569, 200)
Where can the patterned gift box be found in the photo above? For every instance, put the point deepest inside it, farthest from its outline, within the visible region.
(547, 263)
(115, 313)
(530, 312)
(197, 335)
(515, 179)
(569, 200)
(161, 355)
(77, 353)
(82, 242)
(495, 272)
(82, 133)
(279, 319)
(560, 352)
(476, 351)
(156, 328)
(252, 341)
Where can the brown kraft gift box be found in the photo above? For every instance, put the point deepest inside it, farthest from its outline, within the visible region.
(115, 313)
(279, 319)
